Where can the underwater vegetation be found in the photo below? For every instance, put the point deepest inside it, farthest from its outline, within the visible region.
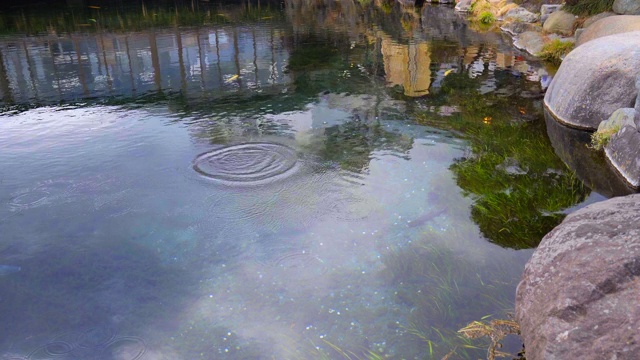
(519, 185)
(446, 291)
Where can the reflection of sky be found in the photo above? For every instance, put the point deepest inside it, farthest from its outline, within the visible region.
(280, 266)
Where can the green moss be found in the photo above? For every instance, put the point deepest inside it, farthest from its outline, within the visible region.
(555, 50)
(486, 17)
(600, 139)
(587, 7)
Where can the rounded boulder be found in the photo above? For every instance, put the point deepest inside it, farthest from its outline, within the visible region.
(594, 80)
(609, 25)
(560, 22)
(578, 298)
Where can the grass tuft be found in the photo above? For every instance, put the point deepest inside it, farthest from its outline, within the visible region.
(555, 50)
(588, 7)
(486, 17)
(600, 139)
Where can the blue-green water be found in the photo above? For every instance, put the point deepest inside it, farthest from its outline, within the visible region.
(287, 186)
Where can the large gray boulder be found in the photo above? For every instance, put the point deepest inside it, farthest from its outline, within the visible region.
(578, 298)
(627, 7)
(593, 19)
(610, 25)
(560, 22)
(594, 80)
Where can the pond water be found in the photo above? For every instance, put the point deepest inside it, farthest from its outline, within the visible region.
(296, 180)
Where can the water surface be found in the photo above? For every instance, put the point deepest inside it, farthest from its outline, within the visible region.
(285, 182)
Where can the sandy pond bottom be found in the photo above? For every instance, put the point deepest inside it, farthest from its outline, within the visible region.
(138, 238)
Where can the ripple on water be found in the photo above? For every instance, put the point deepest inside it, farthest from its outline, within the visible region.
(29, 199)
(126, 348)
(299, 265)
(96, 337)
(247, 164)
(96, 343)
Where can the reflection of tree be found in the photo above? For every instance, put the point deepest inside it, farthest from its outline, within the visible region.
(520, 185)
(132, 17)
(326, 61)
(350, 145)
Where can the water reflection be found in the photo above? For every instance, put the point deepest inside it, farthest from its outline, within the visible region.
(70, 68)
(573, 147)
(318, 182)
(252, 59)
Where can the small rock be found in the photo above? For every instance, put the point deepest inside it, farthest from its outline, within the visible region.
(521, 14)
(546, 10)
(623, 151)
(529, 41)
(592, 19)
(626, 7)
(516, 28)
(619, 118)
(560, 22)
(463, 5)
(578, 34)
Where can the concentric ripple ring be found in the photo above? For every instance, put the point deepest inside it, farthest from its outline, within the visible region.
(248, 163)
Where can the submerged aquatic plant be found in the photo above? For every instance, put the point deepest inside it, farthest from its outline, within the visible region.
(511, 171)
(444, 291)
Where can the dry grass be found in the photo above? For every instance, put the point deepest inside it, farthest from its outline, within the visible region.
(495, 330)
(505, 8)
(480, 6)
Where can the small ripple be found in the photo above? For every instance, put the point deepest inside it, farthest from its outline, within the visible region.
(352, 208)
(126, 348)
(96, 337)
(29, 199)
(247, 164)
(300, 264)
(57, 348)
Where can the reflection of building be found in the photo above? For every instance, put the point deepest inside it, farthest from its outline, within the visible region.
(504, 60)
(408, 66)
(51, 68)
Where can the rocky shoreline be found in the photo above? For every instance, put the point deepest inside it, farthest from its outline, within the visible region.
(578, 297)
